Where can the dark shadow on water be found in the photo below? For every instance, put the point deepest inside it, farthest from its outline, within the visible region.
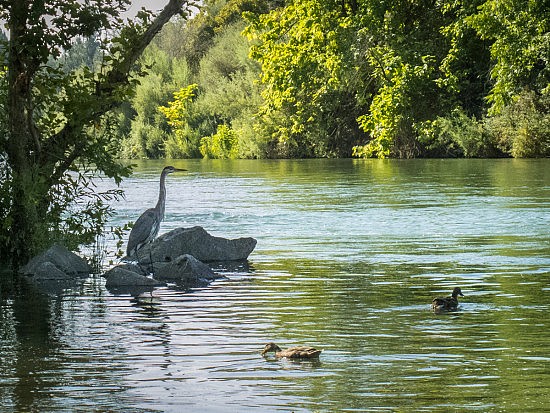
(134, 291)
(286, 362)
(33, 341)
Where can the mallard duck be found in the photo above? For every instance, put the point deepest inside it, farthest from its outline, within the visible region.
(301, 352)
(447, 303)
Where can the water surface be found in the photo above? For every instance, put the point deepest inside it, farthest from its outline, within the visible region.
(349, 255)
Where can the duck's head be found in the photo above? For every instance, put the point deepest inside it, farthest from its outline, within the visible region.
(457, 291)
(270, 347)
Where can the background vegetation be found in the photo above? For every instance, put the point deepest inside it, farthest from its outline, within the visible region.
(336, 78)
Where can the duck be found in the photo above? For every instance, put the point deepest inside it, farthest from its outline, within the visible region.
(447, 303)
(300, 352)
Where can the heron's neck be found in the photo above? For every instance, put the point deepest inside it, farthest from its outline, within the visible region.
(162, 196)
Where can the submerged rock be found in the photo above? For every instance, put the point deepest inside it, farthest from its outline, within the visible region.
(48, 271)
(122, 277)
(131, 267)
(197, 242)
(56, 263)
(186, 271)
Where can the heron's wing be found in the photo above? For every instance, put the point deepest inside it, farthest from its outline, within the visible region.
(144, 231)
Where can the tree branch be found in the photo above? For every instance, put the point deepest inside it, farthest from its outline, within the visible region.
(103, 100)
(120, 73)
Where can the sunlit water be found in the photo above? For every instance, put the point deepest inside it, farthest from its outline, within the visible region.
(349, 255)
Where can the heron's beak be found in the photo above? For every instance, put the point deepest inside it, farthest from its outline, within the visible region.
(180, 170)
(462, 295)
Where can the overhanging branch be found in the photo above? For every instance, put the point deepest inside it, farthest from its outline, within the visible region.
(55, 150)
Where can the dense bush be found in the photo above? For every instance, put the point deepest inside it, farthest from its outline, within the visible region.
(221, 145)
(459, 135)
(522, 129)
(148, 129)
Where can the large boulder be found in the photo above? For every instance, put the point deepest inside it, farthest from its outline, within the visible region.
(55, 262)
(197, 242)
(186, 271)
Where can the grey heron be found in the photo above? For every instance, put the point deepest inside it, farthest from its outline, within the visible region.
(147, 225)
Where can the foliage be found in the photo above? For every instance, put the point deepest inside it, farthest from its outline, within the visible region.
(520, 46)
(314, 78)
(227, 95)
(303, 49)
(221, 145)
(214, 17)
(394, 110)
(148, 128)
(459, 135)
(182, 142)
(522, 129)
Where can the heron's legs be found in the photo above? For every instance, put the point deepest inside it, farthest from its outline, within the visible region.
(145, 270)
(152, 264)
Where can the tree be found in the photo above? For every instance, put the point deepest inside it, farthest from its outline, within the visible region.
(148, 128)
(57, 122)
(520, 47)
(308, 72)
(178, 114)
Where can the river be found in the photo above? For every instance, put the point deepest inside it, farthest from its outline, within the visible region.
(350, 254)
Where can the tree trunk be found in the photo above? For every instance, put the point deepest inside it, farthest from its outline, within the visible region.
(24, 216)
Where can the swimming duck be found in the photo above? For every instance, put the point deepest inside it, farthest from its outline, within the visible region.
(447, 303)
(301, 352)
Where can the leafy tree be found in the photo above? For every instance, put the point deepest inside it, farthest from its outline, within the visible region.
(520, 46)
(522, 128)
(148, 127)
(83, 52)
(229, 94)
(214, 16)
(221, 145)
(184, 141)
(58, 124)
(304, 49)
(362, 77)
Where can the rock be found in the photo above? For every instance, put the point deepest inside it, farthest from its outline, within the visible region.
(130, 267)
(122, 277)
(48, 271)
(197, 242)
(186, 270)
(60, 257)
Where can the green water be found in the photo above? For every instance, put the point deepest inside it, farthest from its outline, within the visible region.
(350, 254)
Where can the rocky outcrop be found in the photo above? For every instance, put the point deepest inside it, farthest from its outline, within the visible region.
(56, 263)
(179, 257)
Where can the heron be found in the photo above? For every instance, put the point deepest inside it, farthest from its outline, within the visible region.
(147, 225)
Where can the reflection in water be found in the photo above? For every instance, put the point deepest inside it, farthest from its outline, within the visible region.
(350, 254)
